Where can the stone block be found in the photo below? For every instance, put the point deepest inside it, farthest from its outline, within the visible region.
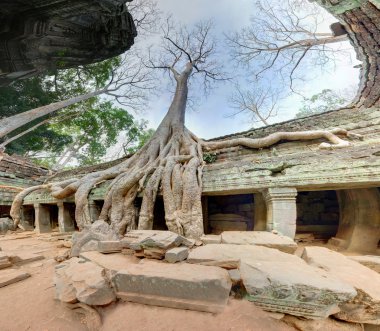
(277, 281)
(24, 257)
(11, 276)
(260, 238)
(106, 247)
(182, 286)
(363, 308)
(83, 281)
(370, 261)
(177, 254)
(211, 239)
(146, 239)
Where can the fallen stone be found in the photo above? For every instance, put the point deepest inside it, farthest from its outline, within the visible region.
(88, 238)
(112, 263)
(370, 261)
(67, 244)
(5, 261)
(182, 286)
(177, 254)
(83, 281)
(365, 307)
(260, 238)
(11, 276)
(211, 239)
(107, 247)
(235, 276)
(25, 257)
(153, 253)
(146, 239)
(278, 281)
(327, 324)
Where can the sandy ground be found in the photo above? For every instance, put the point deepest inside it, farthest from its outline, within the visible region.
(30, 304)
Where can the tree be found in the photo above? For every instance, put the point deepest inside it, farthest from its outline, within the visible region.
(126, 86)
(260, 104)
(172, 160)
(322, 102)
(284, 35)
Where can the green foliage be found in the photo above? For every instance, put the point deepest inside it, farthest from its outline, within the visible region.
(321, 102)
(83, 132)
(209, 157)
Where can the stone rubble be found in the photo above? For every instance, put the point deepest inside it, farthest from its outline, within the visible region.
(365, 307)
(278, 281)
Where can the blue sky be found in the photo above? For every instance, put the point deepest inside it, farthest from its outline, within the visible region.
(210, 118)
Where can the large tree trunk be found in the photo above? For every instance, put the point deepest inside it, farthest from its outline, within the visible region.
(14, 122)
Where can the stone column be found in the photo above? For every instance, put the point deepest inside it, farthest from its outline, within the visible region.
(94, 210)
(359, 224)
(260, 216)
(42, 218)
(65, 221)
(281, 210)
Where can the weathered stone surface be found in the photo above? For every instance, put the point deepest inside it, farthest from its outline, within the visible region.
(109, 246)
(277, 281)
(365, 307)
(369, 261)
(260, 238)
(83, 281)
(114, 262)
(211, 239)
(11, 276)
(146, 239)
(24, 257)
(177, 254)
(327, 324)
(235, 276)
(182, 286)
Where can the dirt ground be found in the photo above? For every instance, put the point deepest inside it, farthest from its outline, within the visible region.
(30, 304)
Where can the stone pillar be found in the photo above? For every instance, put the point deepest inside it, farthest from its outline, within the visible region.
(94, 210)
(281, 210)
(42, 218)
(260, 216)
(65, 221)
(359, 224)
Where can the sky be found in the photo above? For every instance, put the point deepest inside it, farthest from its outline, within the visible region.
(210, 118)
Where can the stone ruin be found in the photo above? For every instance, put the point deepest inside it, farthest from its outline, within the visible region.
(257, 204)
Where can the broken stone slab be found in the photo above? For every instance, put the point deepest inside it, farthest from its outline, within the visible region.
(177, 254)
(182, 286)
(80, 280)
(152, 253)
(11, 276)
(363, 308)
(260, 238)
(211, 239)
(107, 247)
(112, 263)
(145, 239)
(369, 261)
(327, 324)
(89, 237)
(5, 261)
(277, 281)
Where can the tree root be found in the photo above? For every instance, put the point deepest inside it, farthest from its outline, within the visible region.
(171, 161)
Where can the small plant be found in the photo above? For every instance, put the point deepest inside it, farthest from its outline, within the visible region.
(209, 157)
